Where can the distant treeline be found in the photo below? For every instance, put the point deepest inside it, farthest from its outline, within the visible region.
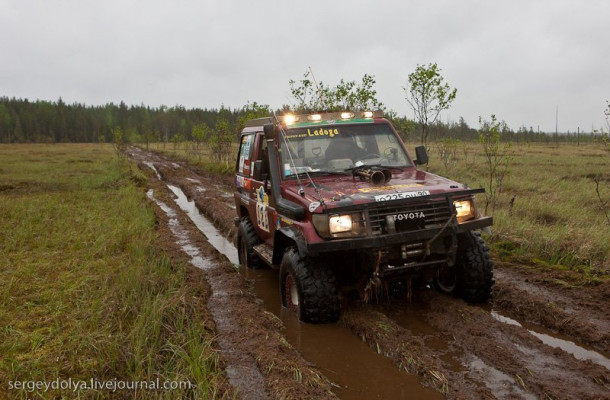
(23, 121)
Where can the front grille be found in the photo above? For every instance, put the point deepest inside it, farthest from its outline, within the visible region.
(436, 213)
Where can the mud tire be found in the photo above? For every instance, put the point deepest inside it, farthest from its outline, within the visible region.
(246, 240)
(312, 284)
(474, 280)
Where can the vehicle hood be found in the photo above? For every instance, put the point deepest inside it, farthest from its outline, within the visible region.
(345, 190)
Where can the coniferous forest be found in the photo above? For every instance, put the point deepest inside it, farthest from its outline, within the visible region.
(24, 121)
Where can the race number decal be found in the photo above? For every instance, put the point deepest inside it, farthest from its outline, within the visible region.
(401, 195)
(262, 217)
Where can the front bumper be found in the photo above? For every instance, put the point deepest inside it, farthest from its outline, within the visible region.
(387, 240)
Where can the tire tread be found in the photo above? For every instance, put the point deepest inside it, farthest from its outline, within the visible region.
(317, 285)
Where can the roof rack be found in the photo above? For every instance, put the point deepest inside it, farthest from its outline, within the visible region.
(294, 120)
(258, 122)
(318, 118)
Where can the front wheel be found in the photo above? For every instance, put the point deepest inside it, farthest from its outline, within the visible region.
(308, 288)
(474, 268)
(472, 277)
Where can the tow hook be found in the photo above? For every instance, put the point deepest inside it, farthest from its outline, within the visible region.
(374, 285)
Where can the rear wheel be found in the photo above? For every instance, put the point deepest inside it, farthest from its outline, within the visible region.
(308, 288)
(246, 240)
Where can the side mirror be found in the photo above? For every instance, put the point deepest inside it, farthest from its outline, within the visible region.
(422, 155)
(258, 174)
(270, 131)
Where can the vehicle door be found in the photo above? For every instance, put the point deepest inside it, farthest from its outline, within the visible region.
(267, 219)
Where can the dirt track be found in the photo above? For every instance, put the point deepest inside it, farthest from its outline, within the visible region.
(540, 338)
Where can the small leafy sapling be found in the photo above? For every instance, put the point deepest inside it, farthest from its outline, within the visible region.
(498, 157)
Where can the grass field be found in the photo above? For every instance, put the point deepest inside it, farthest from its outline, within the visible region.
(200, 155)
(556, 219)
(86, 294)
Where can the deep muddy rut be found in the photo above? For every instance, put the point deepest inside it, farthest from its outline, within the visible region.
(538, 339)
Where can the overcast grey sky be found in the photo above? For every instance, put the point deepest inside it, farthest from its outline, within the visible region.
(517, 59)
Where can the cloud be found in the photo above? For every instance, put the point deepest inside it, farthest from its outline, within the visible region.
(519, 60)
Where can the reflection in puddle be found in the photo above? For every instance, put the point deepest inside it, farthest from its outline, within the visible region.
(204, 225)
(242, 372)
(152, 166)
(565, 345)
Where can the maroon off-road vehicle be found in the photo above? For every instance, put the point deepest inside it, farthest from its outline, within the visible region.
(336, 202)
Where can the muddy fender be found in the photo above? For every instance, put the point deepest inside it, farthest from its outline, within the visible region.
(284, 238)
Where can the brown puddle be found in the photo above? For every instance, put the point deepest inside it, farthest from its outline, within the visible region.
(357, 371)
(412, 316)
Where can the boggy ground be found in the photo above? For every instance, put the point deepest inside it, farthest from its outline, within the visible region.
(461, 351)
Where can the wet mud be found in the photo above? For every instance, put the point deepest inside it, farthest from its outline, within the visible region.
(538, 339)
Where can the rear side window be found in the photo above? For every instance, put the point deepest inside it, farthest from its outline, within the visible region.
(246, 148)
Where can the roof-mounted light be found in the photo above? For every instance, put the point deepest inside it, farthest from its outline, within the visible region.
(340, 117)
(290, 119)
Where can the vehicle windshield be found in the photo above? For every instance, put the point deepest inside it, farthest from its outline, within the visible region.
(333, 149)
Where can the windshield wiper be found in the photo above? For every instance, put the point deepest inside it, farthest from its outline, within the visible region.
(365, 166)
(317, 173)
(392, 167)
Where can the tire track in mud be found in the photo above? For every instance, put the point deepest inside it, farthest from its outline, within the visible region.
(463, 351)
(242, 371)
(258, 361)
(538, 369)
(559, 307)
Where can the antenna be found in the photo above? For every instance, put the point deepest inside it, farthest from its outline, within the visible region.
(317, 87)
(292, 163)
